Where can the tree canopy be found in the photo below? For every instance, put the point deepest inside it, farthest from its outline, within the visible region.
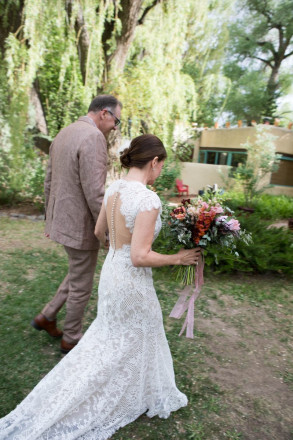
(169, 61)
(261, 40)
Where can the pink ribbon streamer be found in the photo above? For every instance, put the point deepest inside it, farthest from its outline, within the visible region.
(186, 301)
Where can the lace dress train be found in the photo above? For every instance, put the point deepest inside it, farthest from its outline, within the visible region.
(121, 368)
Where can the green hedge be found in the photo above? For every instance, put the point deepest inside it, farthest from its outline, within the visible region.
(266, 206)
(271, 250)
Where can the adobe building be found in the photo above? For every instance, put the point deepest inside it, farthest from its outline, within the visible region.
(217, 150)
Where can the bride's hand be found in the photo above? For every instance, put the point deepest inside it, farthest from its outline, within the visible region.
(188, 256)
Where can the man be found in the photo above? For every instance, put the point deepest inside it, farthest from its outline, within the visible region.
(74, 190)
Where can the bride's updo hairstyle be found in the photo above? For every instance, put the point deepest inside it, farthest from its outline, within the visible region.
(142, 150)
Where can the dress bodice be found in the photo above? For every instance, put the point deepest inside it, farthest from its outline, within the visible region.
(134, 197)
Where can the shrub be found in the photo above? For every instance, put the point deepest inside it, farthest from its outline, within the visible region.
(266, 206)
(170, 171)
(274, 207)
(22, 179)
(270, 251)
(33, 191)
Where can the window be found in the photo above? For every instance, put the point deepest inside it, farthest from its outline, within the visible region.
(223, 157)
(284, 175)
(238, 158)
(211, 157)
(220, 157)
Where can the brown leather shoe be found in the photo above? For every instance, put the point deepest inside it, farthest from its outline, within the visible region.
(65, 347)
(40, 322)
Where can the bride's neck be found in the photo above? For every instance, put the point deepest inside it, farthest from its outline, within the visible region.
(138, 174)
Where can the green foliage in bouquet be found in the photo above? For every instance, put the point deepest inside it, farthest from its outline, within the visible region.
(202, 222)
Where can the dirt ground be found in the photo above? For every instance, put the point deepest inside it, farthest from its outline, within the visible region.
(248, 361)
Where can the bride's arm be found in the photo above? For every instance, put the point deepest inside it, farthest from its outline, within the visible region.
(101, 229)
(142, 237)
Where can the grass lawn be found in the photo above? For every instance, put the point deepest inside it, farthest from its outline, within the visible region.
(237, 372)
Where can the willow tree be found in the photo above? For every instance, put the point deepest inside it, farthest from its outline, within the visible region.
(66, 52)
(57, 55)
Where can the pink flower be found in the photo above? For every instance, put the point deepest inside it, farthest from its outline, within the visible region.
(204, 206)
(217, 209)
(222, 218)
(201, 207)
(191, 211)
(233, 225)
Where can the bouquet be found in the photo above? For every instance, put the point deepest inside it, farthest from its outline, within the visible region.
(199, 223)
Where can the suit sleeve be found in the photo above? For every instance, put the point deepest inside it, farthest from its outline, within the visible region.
(48, 178)
(93, 171)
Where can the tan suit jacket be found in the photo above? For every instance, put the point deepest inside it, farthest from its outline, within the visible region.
(75, 184)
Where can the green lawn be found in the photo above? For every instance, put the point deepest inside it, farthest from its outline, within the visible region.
(237, 372)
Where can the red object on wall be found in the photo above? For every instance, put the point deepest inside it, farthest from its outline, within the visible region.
(181, 187)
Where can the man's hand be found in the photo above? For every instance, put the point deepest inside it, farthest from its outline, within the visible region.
(106, 243)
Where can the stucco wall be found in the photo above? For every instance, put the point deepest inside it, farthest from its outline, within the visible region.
(230, 138)
(198, 175)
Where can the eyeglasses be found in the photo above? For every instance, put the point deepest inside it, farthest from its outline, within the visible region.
(117, 121)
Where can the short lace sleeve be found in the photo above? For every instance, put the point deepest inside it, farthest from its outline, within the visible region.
(149, 201)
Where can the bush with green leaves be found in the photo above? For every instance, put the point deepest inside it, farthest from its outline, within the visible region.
(7, 193)
(22, 180)
(271, 250)
(266, 206)
(166, 181)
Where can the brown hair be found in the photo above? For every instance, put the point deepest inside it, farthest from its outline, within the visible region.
(142, 149)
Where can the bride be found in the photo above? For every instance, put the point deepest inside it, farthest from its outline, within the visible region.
(122, 367)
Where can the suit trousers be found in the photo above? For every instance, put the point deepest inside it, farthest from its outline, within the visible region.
(75, 291)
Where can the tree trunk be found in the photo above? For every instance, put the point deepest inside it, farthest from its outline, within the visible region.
(10, 22)
(40, 120)
(129, 16)
(82, 36)
(272, 92)
(41, 138)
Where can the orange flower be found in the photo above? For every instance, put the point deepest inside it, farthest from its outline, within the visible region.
(202, 225)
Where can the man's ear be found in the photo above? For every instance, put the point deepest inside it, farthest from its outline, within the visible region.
(103, 114)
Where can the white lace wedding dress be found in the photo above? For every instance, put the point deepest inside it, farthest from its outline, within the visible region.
(122, 367)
